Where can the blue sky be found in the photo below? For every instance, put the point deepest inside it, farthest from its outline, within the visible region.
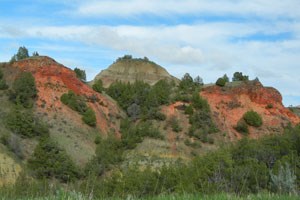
(261, 38)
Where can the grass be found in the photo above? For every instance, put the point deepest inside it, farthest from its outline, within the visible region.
(61, 195)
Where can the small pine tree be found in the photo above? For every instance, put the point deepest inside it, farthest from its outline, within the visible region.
(34, 54)
(50, 161)
(22, 54)
(198, 80)
(238, 76)
(80, 74)
(225, 77)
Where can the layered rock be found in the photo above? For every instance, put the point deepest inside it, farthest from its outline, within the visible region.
(228, 105)
(131, 70)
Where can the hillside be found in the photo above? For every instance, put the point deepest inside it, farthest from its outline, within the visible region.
(156, 124)
(129, 69)
(65, 125)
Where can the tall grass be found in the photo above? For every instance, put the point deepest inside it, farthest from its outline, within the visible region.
(73, 195)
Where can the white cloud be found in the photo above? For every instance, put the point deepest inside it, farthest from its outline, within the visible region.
(204, 48)
(270, 9)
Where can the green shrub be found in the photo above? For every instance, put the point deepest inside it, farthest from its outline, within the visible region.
(221, 82)
(51, 161)
(252, 118)
(189, 110)
(22, 122)
(75, 102)
(242, 127)
(89, 117)
(3, 85)
(201, 123)
(24, 90)
(199, 103)
(98, 86)
(173, 121)
(108, 152)
(285, 181)
(132, 134)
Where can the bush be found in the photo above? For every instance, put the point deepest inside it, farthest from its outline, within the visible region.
(22, 122)
(201, 123)
(189, 110)
(221, 82)
(89, 117)
(74, 101)
(108, 152)
(98, 86)
(77, 103)
(242, 127)
(173, 121)
(12, 142)
(252, 118)
(199, 103)
(24, 90)
(133, 134)
(50, 161)
(285, 180)
(3, 85)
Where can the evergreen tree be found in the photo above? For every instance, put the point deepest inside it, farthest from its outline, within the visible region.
(198, 80)
(22, 54)
(24, 90)
(51, 161)
(80, 74)
(35, 53)
(225, 77)
(238, 76)
(186, 82)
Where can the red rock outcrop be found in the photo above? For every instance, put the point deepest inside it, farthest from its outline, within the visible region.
(228, 105)
(53, 80)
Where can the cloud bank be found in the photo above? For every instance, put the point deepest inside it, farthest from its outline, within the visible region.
(206, 38)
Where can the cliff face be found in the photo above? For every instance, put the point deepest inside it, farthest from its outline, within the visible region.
(228, 105)
(130, 70)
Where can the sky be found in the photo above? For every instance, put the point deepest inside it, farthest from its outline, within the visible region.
(260, 38)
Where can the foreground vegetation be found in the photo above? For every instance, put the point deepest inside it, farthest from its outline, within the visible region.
(60, 195)
(269, 165)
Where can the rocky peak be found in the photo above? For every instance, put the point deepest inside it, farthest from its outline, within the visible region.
(128, 69)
